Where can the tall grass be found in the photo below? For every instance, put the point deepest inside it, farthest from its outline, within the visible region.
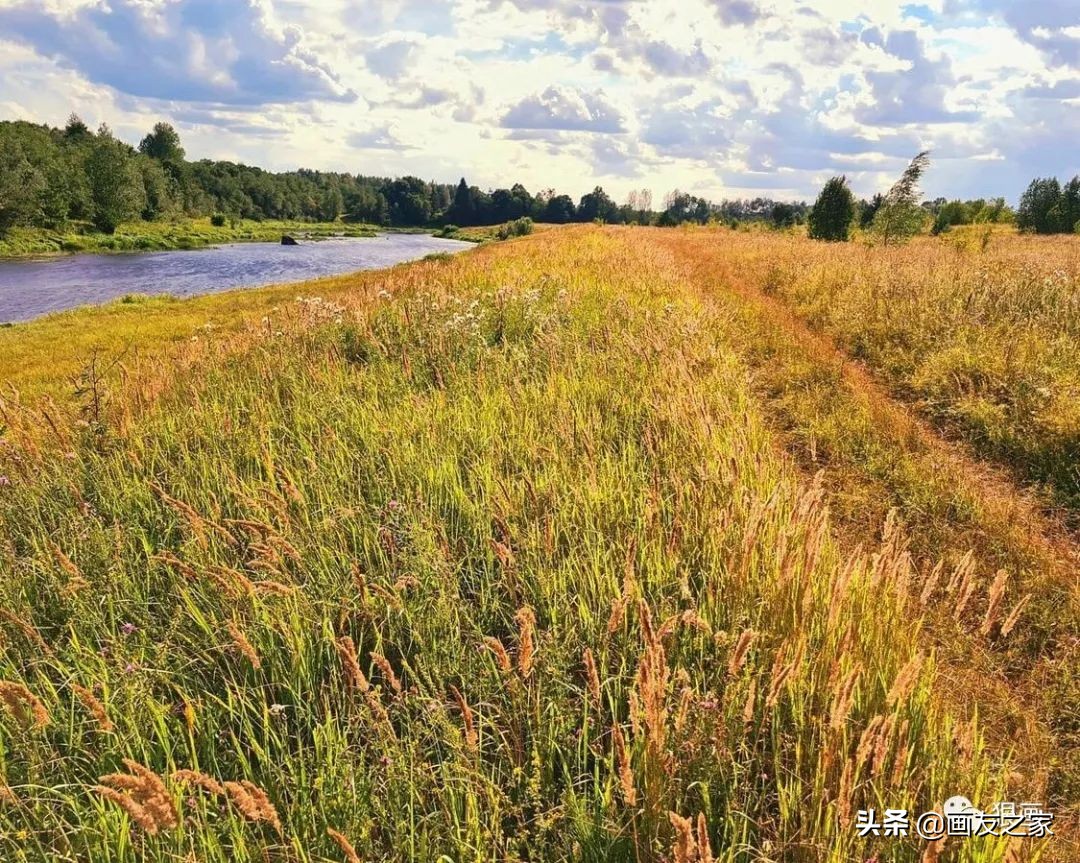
(503, 563)
(983, 335)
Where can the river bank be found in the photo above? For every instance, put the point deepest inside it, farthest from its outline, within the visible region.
(21, 243)
(39, 286)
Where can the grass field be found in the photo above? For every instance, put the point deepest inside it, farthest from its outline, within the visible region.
(591, 545)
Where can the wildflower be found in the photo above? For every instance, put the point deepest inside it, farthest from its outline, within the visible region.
(4, 481)
(128, 628)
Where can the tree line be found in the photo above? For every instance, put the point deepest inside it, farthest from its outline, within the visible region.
(1048, 207)
(900, 213)
(52, 177)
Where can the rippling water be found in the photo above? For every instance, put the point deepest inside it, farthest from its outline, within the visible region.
(37, 287)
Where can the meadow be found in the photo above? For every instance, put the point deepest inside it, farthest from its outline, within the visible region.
(596, 544)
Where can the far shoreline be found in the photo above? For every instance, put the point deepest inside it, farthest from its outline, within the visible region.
(27, 244)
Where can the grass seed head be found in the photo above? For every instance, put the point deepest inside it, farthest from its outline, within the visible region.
(592, 678)
(28, 710)
(94, 707)
(738, 654)
(384, 666)
(344, 844)
(526, 621)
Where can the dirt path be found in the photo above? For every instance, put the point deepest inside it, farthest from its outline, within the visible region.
(878, 455)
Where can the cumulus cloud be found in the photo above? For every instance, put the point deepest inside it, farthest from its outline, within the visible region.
(712, 96)
(391, 59)
(735, 12)
(1052, 26)
(564, 108)
(697, 131)
(384, 137)
(914, 94)
(186, 50)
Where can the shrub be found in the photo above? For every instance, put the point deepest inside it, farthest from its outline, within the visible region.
(516, 228)
(218, 220)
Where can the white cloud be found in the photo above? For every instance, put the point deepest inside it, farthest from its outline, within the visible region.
(564, 108)
(717, 97)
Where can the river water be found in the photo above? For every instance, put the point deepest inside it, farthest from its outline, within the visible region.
(36, 287)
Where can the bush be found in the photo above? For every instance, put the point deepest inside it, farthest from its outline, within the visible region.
(218, 220)
(517, 228)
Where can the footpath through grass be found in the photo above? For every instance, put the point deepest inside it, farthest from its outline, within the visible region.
(492, 558)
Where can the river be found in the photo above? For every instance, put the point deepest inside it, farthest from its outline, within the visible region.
(29, 288)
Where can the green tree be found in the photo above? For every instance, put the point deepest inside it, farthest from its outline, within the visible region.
(163, 144)
(159, 190)
(833, 212)
(783, 215)
(116, 189)
(1040, 207)
(462, 209)
(596, 205)
(76, 130)
(331, 204)
(900, 217)
(408, 201)
(559, 210)
(21, 185)
(1070, 206)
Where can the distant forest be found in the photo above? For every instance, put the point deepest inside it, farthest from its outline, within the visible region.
(51, 178)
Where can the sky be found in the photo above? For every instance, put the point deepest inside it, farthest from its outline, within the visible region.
(720, 98)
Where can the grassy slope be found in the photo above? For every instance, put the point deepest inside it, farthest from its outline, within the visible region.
(146, 236)
(565, 423)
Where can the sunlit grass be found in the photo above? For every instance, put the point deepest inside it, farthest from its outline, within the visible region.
(494, 558)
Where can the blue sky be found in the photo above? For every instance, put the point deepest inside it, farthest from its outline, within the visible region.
(722, 98)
